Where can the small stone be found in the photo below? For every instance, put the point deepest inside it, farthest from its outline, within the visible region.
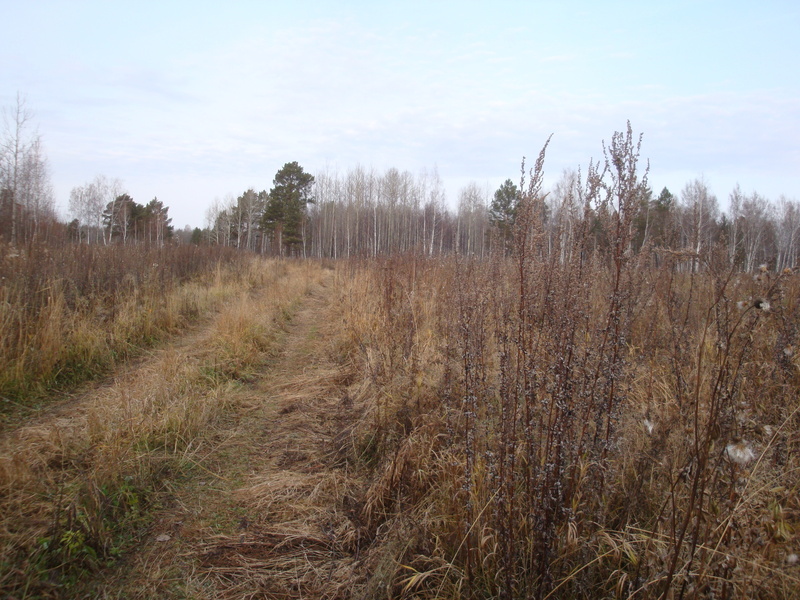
(164, 537)
(792, 559)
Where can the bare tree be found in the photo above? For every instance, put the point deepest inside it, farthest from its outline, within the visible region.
(88, 203)
(756, 223)
(79, 209)
(25, 189)
(250, 207)
(787, 235)
(433, 209)
(565, 213)
(699, 219)
(213, 221)
(14, 146)
(473, 219)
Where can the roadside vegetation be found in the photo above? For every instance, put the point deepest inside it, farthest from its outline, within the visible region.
(71, 312)
(580, 423)
(80, 485)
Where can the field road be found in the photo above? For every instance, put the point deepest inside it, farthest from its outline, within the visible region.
(246, 492)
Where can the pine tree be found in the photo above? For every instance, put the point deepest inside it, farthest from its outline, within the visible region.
(503, 210)
(285, 214)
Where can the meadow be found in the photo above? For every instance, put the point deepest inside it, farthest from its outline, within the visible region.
(574, 431)
(577, 419)
(522, 426)
(69, 312)
(574, 412)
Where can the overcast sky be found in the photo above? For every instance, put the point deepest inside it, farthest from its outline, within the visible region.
(189, 101)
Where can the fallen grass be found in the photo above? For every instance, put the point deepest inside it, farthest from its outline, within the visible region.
(79, 487)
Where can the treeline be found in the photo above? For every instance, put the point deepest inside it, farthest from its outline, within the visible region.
(366, 213)
(101, 210)
(360, 214)
(103, 213)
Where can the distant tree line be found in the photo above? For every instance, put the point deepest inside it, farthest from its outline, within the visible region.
(101, 211)
(276, 222)
(366, 213)
(361, 214)
(104, 213)
(754, 231)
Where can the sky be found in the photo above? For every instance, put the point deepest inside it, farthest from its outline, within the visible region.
(192, 101)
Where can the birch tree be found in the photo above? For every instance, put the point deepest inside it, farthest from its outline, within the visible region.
(700, 211)
(787, 235)
(25, 190)
(756, 214)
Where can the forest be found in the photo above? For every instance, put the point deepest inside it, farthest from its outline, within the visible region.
(364, 213)
(343, 388)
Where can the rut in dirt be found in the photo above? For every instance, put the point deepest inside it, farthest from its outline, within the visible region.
(299, 534)
(271, 509)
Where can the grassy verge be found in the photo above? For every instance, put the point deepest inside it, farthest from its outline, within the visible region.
(71, 313)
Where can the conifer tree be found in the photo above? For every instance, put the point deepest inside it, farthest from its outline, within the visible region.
(285, 214)
(503, 209)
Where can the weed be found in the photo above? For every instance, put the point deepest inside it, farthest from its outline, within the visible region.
(579, 420)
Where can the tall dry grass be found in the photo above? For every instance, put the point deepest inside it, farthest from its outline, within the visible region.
(579, 423)
(71, 312)
(77, 489)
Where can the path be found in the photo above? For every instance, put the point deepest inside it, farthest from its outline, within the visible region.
(269, 512)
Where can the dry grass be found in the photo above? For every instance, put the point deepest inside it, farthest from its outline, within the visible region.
(272, 512)
(78, 484)
(576, 422)
(473, 496)
(68, 314)
(541, 428)
(302, 537)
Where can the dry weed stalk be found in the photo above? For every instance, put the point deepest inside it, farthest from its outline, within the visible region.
(594, 422)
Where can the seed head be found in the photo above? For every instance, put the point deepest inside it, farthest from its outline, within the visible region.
(739, 452)
(762, 304)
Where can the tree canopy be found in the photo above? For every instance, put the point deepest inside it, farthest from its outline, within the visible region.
(285, 213)
(503, 209)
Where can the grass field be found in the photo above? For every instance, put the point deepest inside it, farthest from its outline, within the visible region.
(519, 427)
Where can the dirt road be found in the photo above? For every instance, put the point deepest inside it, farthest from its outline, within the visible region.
(265, 513)
(262, 502)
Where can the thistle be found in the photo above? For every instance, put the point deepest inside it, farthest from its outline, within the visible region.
(739, 452)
